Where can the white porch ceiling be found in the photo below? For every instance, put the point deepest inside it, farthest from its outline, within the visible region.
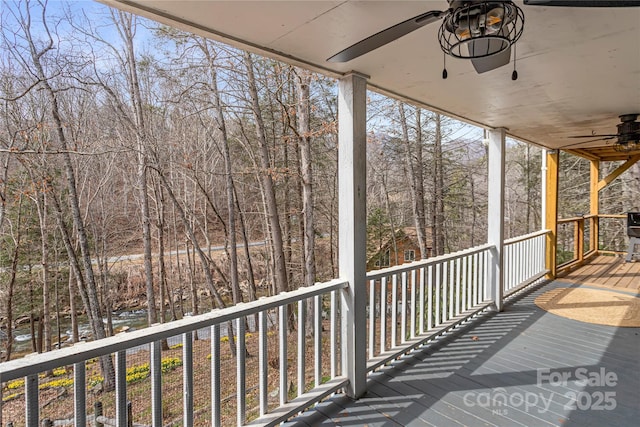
(579, 68)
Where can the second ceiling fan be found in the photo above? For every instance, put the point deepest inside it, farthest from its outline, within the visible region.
(479, 30)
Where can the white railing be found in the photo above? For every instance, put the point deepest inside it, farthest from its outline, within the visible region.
(411, 302)
(273, 401)
(407, 305)
(524, 260)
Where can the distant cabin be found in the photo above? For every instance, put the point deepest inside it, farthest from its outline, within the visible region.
(406, 245)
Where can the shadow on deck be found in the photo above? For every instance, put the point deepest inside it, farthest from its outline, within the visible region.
(521, 367)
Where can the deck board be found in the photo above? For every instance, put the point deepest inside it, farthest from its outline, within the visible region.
(504, 353)
(609, 272)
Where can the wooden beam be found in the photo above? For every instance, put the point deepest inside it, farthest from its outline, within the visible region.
(582, 153)
(594, 199)
(616, 173)
(551, 214)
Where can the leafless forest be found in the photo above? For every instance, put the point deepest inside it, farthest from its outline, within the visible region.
(216, 168)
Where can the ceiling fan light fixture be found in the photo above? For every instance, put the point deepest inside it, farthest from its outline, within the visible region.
(494, 20)
(626, 147)
(499, 21)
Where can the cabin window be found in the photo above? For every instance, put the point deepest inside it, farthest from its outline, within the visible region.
(385, 259)
(409, 255)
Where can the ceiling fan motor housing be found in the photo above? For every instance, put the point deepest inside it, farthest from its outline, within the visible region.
(468, 22)
(628, 129)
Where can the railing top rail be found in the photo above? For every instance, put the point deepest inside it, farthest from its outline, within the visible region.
(573, 219)
(589, 216)
(619, 216)
(397, 269)
(526, 237)
(87, 350)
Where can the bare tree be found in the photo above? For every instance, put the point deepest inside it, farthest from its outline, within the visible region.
(34, 58)
(414, 161)
(280, 270)
(438, 196)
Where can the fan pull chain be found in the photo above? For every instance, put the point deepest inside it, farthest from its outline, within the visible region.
(444, 67)
(514, 75)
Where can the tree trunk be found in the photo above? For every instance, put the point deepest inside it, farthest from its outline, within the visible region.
(126, 24)
(438, 186)
(74, 203)
(414, 161)
(280, 273)
(231, 206)
(306, 173)
(8, 304)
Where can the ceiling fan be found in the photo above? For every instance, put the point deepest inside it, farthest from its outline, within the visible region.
(627, 138)
(480, 30)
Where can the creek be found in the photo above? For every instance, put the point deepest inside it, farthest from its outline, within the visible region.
(122, 320)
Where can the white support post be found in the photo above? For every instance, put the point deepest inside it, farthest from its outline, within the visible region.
(352, 231)
(495, 232)
(543, 190)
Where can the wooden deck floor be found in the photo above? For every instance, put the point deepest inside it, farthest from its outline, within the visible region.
(609, 272)
(504, 370)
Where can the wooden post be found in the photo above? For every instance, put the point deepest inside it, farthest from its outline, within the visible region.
(594, 198)
(97, 409)
(551, 213)
(352, 171)
(579, 240)
(129, 414)
(495, 211)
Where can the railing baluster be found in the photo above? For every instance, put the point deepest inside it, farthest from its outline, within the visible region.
(383, 314)
(155, 359)
(413, 304)
(187, 377)
(121, 389)
(452, 280)
(464, 283)
(263, 358)
(394, 310)
(507, 267)
(403, 315)
(215, 376)
(458, 280)
(485, 278)
(436, 283)
(334, 333)
(517, 251)
(372, 317)
(282, 318)
(422, 300)
(430, 273)
(32, 405)
(445, 291)
(476, 277)
(241, 371)
(302, 317)
(317, 336)
(79, 394)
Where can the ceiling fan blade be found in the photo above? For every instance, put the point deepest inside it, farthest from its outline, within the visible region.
(493, 60)
(586, 142)
(386, 36)
(612, 135)
(583, 3)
